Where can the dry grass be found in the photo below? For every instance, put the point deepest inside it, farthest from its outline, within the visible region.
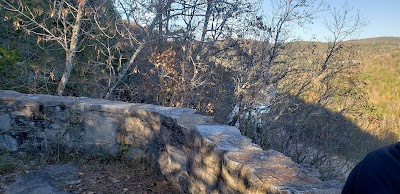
(378, 78)
(380, 62)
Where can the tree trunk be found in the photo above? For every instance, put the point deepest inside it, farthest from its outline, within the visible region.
(70, 53)
(160, 24)
(206, 19)
(124, 70)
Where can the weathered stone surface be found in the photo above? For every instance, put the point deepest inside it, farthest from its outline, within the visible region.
(274, 170)
(194, 154)
(173, 166)
(10, 95)
(100, 132)
(49, 180)
(226, 138)
(135, 154)
(5, 122)
(138, 132)
(9, 143)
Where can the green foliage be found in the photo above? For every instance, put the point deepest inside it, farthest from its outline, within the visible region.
(8, 163)
(8, 58)
(380, 73)
(105, 158)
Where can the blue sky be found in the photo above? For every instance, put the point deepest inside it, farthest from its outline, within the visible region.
(383, 18)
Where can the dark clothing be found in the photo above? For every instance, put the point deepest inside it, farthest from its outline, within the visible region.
(377, 173)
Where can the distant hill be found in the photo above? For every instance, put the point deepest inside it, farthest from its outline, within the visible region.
(376, 40)
(378, 76)
(380, 71)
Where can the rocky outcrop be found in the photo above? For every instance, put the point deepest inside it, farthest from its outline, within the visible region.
(48, 180)
(192, 152)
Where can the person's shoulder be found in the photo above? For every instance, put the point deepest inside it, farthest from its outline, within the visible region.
(378, 154)
(382, 157)
(396, 146)
(394, 150)
(378, 172)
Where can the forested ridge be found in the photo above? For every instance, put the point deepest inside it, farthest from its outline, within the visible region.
(321, 103)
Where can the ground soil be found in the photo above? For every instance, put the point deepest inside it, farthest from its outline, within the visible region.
(119, 177)
(97, 174)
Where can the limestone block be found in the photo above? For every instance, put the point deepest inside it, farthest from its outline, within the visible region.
(72, 136)
(225, 138)
(129, 139)
(174, 112)
(206, 175)
(223, 187)
(172, 159)
(232, 181)
(165, 136)
(212, 159)
(194, 154)
(8, 143)
(100, 132)
(113, 106)
(26, 111)
(272, 170)
(203, 145)
(152, 119)
(198, 186)
(141, 126)
(5, 122)
(135, 154)
(173, 165)
(188, 150)
(50, 101)
(209, 130)
(138, 131)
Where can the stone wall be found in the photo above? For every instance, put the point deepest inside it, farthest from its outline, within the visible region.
(192, 152)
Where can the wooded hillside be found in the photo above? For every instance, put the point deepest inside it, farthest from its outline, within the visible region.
(322, 103)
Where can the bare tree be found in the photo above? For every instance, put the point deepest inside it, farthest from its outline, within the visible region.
(137, 30)
(66, 34)
(59, 21)
(342, 24)
(273, 86)
(186, 20)
(274, 61)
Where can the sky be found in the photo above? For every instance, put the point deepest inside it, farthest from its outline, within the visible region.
(383, 17)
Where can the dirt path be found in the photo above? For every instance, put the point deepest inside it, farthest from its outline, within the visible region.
(119, 178)
(89, 175)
